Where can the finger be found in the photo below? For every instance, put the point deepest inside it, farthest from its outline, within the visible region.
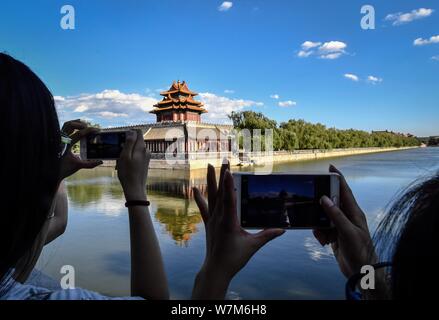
(347, 199)
(229, 200)
(338, 218)
(212, 188)
(78, 135)
(140, 143)
(202, 205)
(225, 166)
(130, 140)
(70, 126)
(321, 237)
(267, 235)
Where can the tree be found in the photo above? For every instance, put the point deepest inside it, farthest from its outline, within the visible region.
(299, 134)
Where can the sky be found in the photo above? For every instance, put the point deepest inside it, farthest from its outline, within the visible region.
(272, 185)
(304, 59)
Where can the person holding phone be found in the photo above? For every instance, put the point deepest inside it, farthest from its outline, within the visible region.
(36, 158)
(228, 246)
(407, 238)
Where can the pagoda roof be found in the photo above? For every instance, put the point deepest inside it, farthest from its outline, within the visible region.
(177, 87)
(172, 100)
(179, 107)
(182, 100)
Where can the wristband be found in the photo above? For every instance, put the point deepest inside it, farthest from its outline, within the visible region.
(137, 203)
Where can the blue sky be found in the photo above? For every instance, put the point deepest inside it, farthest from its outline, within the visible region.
(274, 184)
(110, 68)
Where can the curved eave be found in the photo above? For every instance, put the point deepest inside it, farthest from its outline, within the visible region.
(166, 93)
(195, 109)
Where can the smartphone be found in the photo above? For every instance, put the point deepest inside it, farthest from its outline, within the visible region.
(285, 200)
(103, 146)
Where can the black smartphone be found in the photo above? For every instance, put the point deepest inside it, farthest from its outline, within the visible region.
(103, 146)
(284, 200)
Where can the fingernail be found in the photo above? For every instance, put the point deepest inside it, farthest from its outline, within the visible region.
(326, 202)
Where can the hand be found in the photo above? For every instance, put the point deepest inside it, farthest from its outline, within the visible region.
(132, 166)
(70, 163)
(350, 239)
(228, 246)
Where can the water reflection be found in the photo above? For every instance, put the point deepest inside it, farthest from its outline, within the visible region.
(100, 191)
(294, 266)
(180, 221)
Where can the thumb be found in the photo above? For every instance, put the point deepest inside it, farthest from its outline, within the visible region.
(265, 236)
(130, 141)
(338, 218)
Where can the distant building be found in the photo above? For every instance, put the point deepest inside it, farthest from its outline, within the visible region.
(180, 134)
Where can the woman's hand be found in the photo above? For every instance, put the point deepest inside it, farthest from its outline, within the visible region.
(228, 246)
(148, 277)
(350, 239)
(132, 166)
(70, 163)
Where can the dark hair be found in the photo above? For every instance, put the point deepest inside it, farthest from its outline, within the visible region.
(29, 165)
(409, 236)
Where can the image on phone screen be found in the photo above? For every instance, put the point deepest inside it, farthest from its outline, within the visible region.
(105, 145)
(284, 201)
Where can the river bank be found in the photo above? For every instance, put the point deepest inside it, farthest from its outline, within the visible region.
(199, 161)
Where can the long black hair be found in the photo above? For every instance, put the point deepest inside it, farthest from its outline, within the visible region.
(409, 237)
(29, 165)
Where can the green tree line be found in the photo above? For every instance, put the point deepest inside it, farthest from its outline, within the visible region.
(302, 135)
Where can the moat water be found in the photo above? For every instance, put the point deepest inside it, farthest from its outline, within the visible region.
(294, 266)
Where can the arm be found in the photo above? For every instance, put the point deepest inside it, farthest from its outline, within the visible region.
(148, 279)
(70, 164)
(350, 239)
(58, 222)
(228, 246)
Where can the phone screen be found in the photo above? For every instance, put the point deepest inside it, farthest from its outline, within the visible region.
(284, 201)
(107, 145)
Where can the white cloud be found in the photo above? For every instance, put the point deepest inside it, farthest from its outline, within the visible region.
(225, 6)
(374, 80)
(329, 50)
(304, 54)
(288, 103)
(435, 58)
(352, 77)
(333, 46)
(228, 91)
(331, 56)
(403, 18)
(275, 96)
(111, 115)
(111, 108)
(423, 42)
(309, 45)
(121, 108)
(219, 107)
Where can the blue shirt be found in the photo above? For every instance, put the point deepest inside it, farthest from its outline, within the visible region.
(28, 291)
